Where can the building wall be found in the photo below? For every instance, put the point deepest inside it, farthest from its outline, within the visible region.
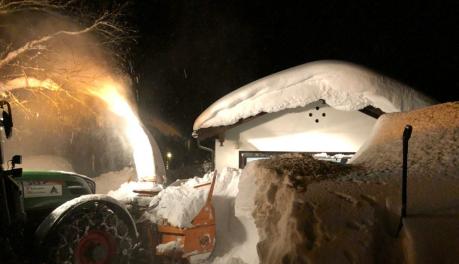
(316, 128)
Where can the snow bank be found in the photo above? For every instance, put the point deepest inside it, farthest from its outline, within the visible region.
(177, 205)
(180, 202)
(287, 221)
(236, 234)
(312, 211)
(433, 147)
(112, 181)
(126, 192)
(169, 248)
(296, 209)
(342, 85)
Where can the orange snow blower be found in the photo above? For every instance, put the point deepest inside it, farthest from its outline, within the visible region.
(193, 243)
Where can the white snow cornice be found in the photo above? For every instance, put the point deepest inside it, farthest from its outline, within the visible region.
(343, 85)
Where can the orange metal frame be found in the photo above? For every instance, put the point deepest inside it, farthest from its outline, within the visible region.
(198, 239)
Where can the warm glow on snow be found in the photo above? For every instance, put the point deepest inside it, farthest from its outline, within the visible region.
(138, 139)
(308, 141)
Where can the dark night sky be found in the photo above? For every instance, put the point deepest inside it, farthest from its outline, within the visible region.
(190, 53)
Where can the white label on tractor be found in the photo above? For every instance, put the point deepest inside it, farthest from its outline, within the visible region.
(41, 189)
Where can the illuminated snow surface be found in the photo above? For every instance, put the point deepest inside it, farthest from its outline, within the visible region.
(126, 192)
(179, 203)
(113, 180)
(343, 86)
(295, 209)
(310, 211)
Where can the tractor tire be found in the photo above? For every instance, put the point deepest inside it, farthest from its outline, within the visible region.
(92, 234)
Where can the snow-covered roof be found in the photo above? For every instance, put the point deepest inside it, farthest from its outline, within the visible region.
(343, 85)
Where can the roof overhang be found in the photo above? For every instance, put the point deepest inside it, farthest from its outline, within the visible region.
(219, 131)
(344, 86)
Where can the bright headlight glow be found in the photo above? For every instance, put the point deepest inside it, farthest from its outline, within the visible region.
(136, 136)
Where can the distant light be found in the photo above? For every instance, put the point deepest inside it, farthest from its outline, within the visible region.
(169, 155)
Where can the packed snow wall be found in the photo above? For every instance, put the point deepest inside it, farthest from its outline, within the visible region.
(433, 148)
(310, 211)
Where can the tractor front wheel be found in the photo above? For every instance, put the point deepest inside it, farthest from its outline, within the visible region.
(93, 234)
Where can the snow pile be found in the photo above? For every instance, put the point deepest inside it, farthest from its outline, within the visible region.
(433, 147)
(342, 85)
(179, 203)
(176, 205)
(111, 181)
(286, 219)
(128, 191)
(296, 209)
(168, 248)
(341, 158)
(236, 233)
(312, 211)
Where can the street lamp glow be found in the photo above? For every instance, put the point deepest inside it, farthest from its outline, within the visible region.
(169, 155)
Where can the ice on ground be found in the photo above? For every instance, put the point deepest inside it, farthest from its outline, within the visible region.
(344, 86)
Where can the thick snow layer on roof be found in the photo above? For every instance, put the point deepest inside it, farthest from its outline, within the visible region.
(342, 85)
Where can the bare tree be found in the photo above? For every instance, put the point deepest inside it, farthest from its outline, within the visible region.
(37, 62)
(51, 53)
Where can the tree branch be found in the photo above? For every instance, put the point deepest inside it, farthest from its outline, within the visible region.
(10, 7)
(29, 82)
(39, 43)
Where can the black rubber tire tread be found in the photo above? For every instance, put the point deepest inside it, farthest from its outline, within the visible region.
(90, 216)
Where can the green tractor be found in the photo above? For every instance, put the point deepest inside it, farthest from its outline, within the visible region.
(56, 217)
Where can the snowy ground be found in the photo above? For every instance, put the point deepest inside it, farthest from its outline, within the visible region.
(295, 209)
(179, 203)
(309, 211)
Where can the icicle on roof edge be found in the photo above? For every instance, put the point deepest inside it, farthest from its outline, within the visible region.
(343, 86)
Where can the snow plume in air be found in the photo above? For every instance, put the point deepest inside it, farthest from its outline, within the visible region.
(132, 128)
(62, 71)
